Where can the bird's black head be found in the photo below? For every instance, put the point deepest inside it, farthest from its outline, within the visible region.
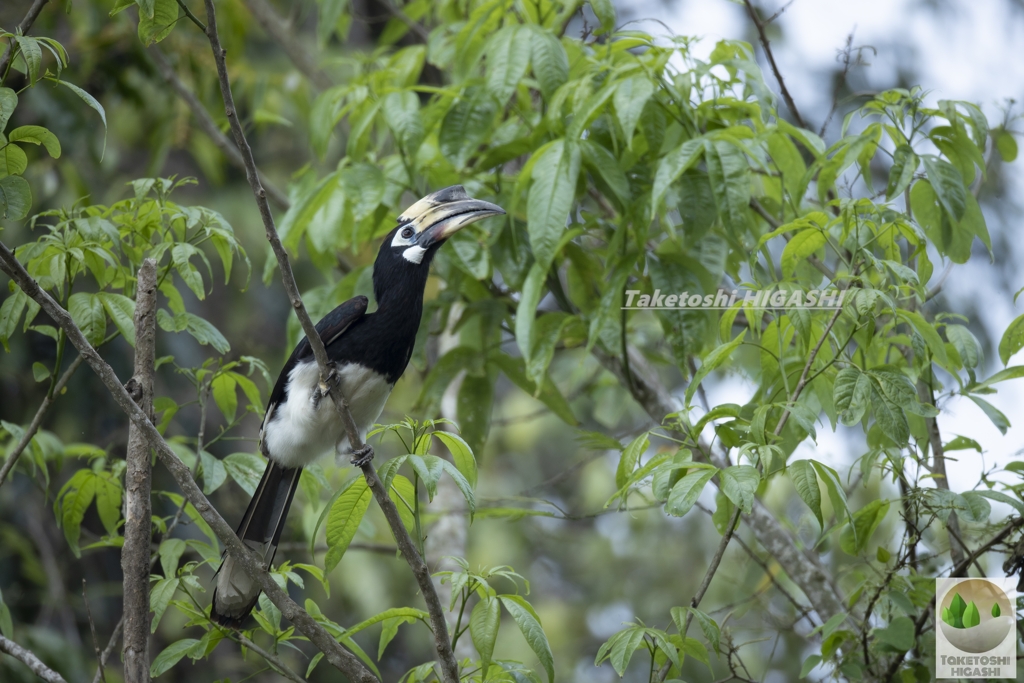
(403, 261)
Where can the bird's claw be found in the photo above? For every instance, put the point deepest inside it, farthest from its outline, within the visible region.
(362, 456)
(324, 386)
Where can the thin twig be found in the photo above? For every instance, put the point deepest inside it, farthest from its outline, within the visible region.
(705, 583)
(273, 660)
(413, 25)
(208, 125)
(37, 421)
(109, 649)
(193, 18)
(766, 45)
(92, 629)
(775, 225)
(337, 655)
(1014, 524)
(442, 643)
(22, 29)
(27, 658)
(138, 522)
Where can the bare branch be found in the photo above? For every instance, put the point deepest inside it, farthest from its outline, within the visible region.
(138, 509)
(279, 29)
(208, 125)
(337, 655)
(37, 421)
(95, 640)
(30, 660)
(23, 27)
(766, 45)
(442, 643)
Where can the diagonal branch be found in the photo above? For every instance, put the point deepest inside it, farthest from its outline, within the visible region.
(280, 30)
(274, 662)
(208, 125)
(766, 45)
(37, 421)
(337, 655)
(30, 660)
(23, 27)
(138, 485)
(442, 643)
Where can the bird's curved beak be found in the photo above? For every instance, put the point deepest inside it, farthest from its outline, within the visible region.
(441, 214)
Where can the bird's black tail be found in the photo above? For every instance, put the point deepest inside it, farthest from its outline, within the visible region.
(236, 594)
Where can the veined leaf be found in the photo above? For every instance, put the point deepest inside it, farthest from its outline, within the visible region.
(529, 624)
(343, 520)
(551, 196)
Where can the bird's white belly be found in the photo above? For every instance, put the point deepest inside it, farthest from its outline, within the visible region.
(297, 433)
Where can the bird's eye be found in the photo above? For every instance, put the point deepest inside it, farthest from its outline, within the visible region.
(407, 233)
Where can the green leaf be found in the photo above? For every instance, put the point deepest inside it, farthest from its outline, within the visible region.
(205, 333)
(473, 409)
(904, 166)
(121, 310)
(547, 331)
(855, 537)
(852, 393)
(153, 29)
(87, 312)
(224, 395)
(551, 196)
(529, 624)
(8, 103)
(171, 551)
(246, 469)
(966, 345)
(145, 7)
(343, 520)
(604, 10)
(603, 165)
(550, 61)
(89, 100)
(529, 298)
(927, 330)
(508, 58)
(809, 664)
(687, 490)
(466, 126)
(214, 472)
(10, 314)
(728, 173)
(36, 135)
(170, 656)
(514, 369)
(403, 494)
(623, 645)
(484, 622)
(948, 185)
(899, 634)
(74, 499)
(801, 247)
(739, 483)
(13, 160)
(15, 198)
(32, 56)
(631, 95)
(707, 625)
(995, 610)
(1005, 145)
(672, 166)
(712, 361)
(402, 114)
(40, 372)
(801, 473)
(160, 596)
(834, 487)
(462, 454)
(630, 457)
(1012, 340)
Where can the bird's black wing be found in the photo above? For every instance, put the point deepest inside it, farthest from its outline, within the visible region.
(332, 326)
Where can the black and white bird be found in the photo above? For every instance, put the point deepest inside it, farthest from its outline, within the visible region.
(370, 351)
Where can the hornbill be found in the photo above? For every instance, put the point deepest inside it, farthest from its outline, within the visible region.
(369, 352)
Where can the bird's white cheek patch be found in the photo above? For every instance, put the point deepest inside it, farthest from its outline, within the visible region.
(414, 254)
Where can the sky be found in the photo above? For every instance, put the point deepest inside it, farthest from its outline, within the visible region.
(963, 50)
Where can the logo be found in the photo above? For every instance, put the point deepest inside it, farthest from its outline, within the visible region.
(975, 637)
(723, 299)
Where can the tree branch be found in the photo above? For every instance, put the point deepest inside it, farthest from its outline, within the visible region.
(274, 662)
(938, 468)
(771, 61)
(30, 660)
(138, 483)
(208, 125)
(23, 27)
(442, 643)
(280, 31)
(37, 421)
(337, 655)
(108, 650)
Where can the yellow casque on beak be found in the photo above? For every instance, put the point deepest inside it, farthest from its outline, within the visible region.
(441, 214)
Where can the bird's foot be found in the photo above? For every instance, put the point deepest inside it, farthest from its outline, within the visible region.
(362, 456)
(324, 386)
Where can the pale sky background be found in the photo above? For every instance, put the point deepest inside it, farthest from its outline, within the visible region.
(965, 51)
